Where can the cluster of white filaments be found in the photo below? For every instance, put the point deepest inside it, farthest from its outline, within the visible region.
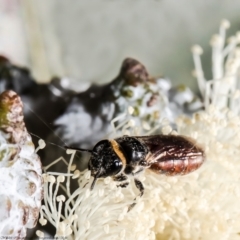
(223, 90)
(201, 205)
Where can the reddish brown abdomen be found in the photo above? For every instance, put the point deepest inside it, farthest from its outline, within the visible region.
(174, 155)
(177, 166)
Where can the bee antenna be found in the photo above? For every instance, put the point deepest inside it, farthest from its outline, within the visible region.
(78, 149)
(95, 179)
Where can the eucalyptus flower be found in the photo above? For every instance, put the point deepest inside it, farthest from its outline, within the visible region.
(201, 205)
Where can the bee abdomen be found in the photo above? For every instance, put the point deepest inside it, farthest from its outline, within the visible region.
(171, 167)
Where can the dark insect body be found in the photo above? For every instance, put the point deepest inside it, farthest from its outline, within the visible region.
(127, 156)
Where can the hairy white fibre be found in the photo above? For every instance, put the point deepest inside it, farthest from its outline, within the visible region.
(201, 205)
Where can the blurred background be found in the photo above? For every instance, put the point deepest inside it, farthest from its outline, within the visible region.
(87, 40)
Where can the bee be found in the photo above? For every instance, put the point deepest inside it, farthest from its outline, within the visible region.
(129, 155)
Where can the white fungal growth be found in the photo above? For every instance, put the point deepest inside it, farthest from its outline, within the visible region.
(20, 172)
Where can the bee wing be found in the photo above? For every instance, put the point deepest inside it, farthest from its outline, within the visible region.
(170, 147)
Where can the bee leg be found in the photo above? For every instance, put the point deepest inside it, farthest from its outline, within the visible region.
(131, 206)
(123, 185)
(144, 163)
(139, 186)
(121, 178)
(140, 170)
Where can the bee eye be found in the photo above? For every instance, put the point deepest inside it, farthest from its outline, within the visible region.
(114, 168)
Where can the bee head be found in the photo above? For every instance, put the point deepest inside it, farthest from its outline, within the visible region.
(104, 161)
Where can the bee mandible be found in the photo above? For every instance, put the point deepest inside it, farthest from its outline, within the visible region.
(129, 155)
